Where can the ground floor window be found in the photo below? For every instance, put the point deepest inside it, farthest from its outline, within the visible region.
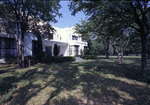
(48, 50)
(8, 45)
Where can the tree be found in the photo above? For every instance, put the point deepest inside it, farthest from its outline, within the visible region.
(83, 29)
(133, 14)
(56, 50)
(25, 11)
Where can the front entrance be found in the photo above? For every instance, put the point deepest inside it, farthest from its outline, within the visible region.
(49, 50)
(76, 50)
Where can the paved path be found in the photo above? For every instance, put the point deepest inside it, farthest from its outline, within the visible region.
(79, 59)
(2, 61)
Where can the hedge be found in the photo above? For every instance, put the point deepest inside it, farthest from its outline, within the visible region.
(10, 58)
(54, 59)
(89, 57)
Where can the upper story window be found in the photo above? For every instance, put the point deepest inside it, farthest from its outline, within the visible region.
(74, 37)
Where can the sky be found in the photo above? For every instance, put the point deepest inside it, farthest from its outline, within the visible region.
(67, 19)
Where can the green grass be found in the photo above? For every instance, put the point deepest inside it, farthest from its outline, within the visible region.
(97, 81)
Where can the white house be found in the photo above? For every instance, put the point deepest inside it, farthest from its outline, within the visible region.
(69, 43)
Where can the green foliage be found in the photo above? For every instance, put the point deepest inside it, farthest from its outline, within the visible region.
(63, 59)
(27, 58)
(47, 59)
(28, 13)
(87, 51)
(56, 50)
(10, 58)
(39, 57)
(58, 59)
(89, 57)
(113, 18)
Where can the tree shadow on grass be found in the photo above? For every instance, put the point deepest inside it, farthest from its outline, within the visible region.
(88, 87)
(60, 82)
(96, 89)
(104, 90)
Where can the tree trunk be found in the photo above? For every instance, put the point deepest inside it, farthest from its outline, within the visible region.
(144, 60)
(18, 55)
(22, 49)
(121, 56)
(148, 53)
(17, 43)
(118, 54)
(107, 49)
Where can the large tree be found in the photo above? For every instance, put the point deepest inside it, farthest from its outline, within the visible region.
(134, 14)
(26, 11)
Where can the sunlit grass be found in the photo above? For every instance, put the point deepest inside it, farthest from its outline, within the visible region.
(97, 81)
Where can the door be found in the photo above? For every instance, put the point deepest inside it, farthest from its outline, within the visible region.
(49, 50)
(76, 51)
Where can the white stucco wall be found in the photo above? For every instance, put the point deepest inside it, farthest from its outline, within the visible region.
(28, 43)
(65, 35)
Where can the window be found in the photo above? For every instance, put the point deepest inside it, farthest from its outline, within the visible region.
(70, 50)
(48, 50)
(34, 47)
(58, 48)
(74, 37)
(7, 45)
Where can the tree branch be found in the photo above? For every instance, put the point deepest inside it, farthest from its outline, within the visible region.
(134, 28)
(137, 20)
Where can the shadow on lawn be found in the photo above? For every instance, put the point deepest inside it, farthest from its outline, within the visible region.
(80, 87)
(91, 88)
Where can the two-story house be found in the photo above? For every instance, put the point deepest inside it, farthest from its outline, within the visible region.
(69, 43)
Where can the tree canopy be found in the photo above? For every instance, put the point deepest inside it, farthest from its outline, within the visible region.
(112, 18)
(25, 12)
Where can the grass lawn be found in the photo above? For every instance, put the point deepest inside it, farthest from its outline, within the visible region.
(92, 82)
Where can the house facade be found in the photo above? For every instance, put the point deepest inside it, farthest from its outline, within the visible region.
(69, 43)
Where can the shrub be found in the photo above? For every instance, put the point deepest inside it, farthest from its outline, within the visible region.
(47, 59)
(10, 58)
(27, 58)
(39, 57)
(87, 51)
(58, 59)
(89, 57)
(50, 59)
(56, 50)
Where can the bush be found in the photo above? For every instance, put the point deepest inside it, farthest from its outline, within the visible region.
(89, 57)
(10, 58)
(47, 59)
(27, 58)
(39, 57)
(56, 50)
(58, 59)
(63, 59)
(87, 51)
